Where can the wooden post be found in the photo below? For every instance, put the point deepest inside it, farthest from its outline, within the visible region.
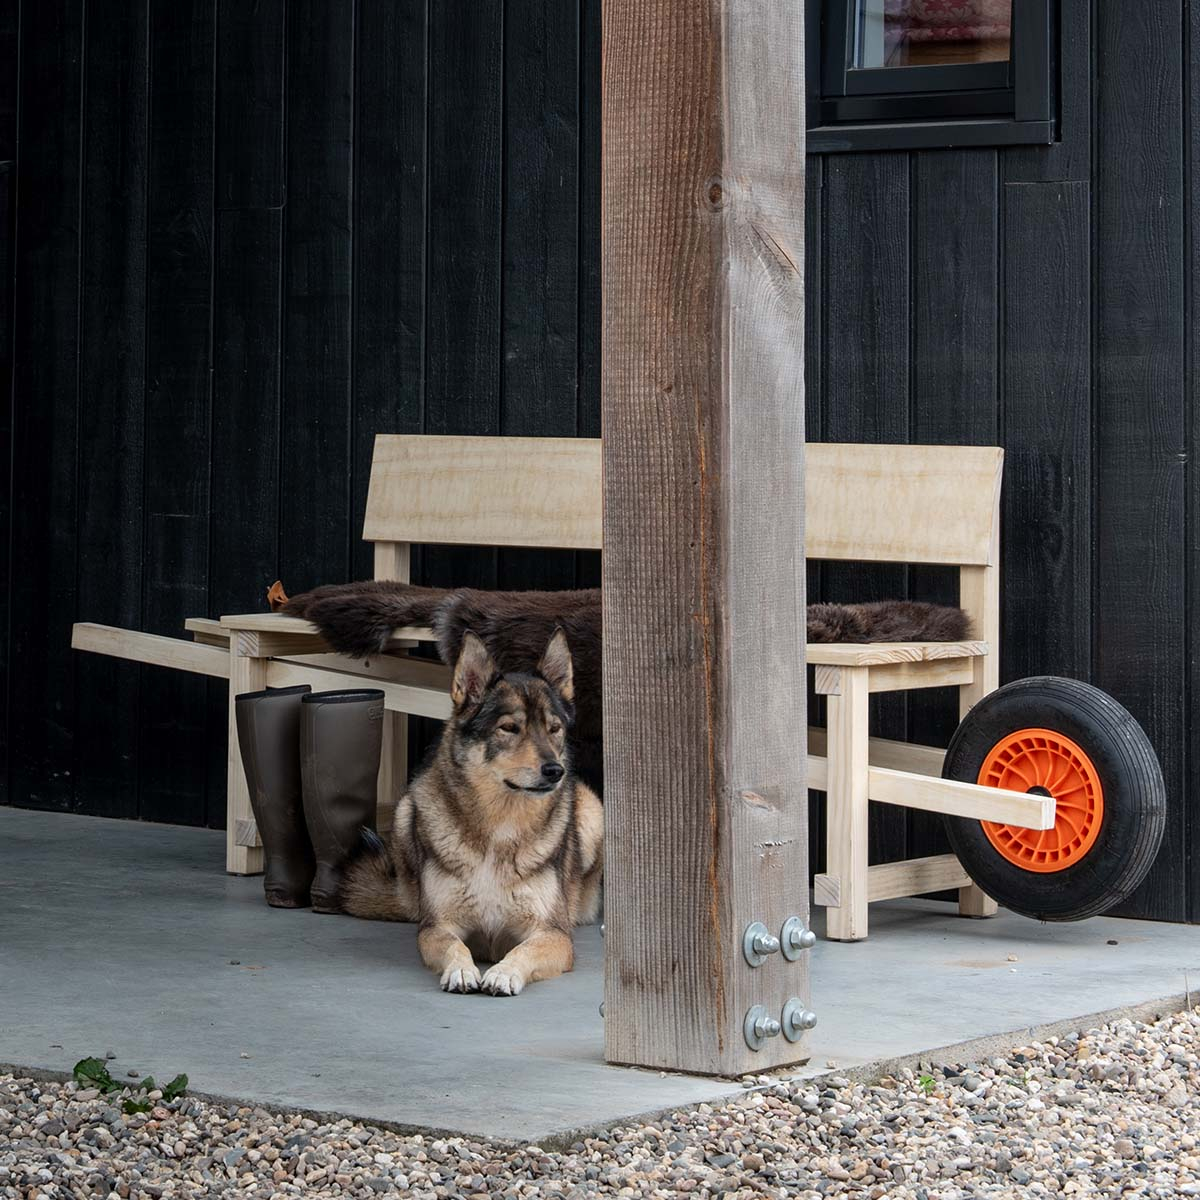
(704, 617)
(392, 561)
(247, 673)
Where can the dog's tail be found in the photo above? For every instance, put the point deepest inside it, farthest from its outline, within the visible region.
(358, 618)
(369, 887)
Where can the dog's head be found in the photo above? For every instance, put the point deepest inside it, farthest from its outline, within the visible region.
(511, 730)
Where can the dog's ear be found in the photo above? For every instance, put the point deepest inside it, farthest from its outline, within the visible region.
(555, 667)
(472, 672)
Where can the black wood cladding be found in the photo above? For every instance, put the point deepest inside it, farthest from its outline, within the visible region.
(239, 239)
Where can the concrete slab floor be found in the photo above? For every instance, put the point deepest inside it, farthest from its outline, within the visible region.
(128, 937)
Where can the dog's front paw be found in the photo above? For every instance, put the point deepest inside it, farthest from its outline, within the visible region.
(502, 981)
(461, 979)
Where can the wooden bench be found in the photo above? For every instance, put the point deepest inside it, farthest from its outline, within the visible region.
(910, 504)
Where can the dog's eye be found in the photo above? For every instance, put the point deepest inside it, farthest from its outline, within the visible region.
(555, 728)
(509, 727)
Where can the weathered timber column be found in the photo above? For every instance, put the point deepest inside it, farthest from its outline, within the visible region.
(704, 618)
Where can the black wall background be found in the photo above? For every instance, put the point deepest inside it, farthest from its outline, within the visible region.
(242, 236)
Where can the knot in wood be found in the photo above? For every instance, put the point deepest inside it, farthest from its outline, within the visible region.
(714, 195)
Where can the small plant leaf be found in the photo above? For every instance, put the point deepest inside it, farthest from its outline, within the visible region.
(131, 1106)
(176, 1087)
(92, 1072)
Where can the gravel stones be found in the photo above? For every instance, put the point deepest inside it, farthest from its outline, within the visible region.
(1110, 1114)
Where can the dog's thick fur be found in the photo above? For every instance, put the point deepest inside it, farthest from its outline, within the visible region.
(358, 618)
(496, 848)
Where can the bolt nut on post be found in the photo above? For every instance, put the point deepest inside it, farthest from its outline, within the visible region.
(795, 938)
(758, 1026)
(757, 943)
(797, 1019)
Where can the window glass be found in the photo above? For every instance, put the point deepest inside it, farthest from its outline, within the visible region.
(920, 33)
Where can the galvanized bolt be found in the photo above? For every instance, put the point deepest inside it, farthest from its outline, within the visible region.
(794, 938)
(797, 1019)
(758, 1026)
(757, 943)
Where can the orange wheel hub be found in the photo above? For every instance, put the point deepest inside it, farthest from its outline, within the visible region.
(1045, 763)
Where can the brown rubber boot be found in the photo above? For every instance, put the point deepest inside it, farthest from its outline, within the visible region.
(341, 736)
(268, 725)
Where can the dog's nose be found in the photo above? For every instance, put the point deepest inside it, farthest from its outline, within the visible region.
(552, 771)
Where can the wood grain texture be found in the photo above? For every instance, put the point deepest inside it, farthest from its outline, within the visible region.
(112, 393)
(481, 491)
(7, 211)
(390, 222)
(315, 522)
(1047, 390)
(178, 409)
(955, 372)
(540, 247)
(1139, 444)
(867, 368)
(703, 524)
(46, 379)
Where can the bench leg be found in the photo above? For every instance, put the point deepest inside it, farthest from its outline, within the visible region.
(245, 675)
(393, 767)
(973, 902)
(846, 812)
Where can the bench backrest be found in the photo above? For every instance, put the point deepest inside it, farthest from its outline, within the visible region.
(864, 503)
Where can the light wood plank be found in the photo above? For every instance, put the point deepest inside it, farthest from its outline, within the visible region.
(422, 672)
(956, 799)
(207, 632)
(705, 798)
(484, 491)
(150, 648)
(279, 623)
(890, 881)
(398, 697)
(979, 595)
(245, 675)
(924, 504)
(900, 756)
(393, 560)
(867, 654)
(847, 789)
(915, 877)
(900, 677)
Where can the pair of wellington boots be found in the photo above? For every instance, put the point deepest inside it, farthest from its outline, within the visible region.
(312, 765)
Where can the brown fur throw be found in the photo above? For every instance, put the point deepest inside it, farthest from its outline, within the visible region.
(358, 619)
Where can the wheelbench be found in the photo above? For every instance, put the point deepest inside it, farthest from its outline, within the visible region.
(867, 503)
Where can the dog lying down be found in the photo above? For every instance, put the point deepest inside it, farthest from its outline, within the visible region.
(358, 618)
(496, 848)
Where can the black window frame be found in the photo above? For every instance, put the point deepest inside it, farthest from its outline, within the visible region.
(928, 106)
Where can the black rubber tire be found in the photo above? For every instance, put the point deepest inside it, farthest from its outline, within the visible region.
(1135, 799)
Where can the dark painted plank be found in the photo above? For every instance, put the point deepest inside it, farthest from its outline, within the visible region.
(1071, 156)
(814, 431)
(178, 411)
(1192, 394)
(955, 374)
(250, 112)
(463, 276)
(867, 376)
(1046, 556)
(540, 250)
(112, 393)
(46, 379)
(8, 181)
(315, 478)
(9, 36)
(389, 238)
(587, 408)
(1139, 441)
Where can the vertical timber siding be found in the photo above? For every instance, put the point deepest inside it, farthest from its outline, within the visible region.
(239, 239)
